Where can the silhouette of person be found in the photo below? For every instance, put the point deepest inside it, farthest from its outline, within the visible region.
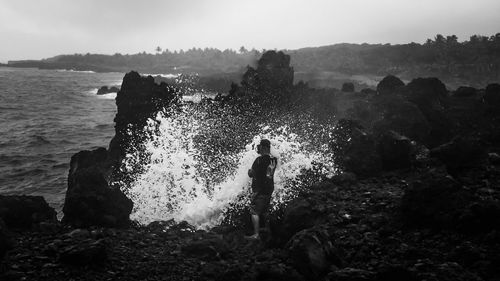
(262, 174)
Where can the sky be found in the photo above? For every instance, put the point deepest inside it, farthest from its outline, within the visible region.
(35, 29)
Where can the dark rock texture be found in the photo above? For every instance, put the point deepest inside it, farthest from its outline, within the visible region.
(139, 98)
(465, 92)
(312, 252)
(347, 87)
(389, 85)
(5, 242)
(492, 94)
(106, 90)
(89, 198)
(25, 211)
(396, 151)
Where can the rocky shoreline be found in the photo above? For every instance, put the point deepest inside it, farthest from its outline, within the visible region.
(418, 198)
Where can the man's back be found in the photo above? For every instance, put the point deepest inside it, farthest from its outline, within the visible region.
(263, 178)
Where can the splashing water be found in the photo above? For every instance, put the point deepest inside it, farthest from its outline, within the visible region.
(174, 181)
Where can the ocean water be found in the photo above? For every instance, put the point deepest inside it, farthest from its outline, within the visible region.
(46, 116)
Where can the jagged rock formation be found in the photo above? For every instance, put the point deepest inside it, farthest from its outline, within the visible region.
(106, 90)
(89, 198)
(389, 85)
(138, 99)
(25, 211)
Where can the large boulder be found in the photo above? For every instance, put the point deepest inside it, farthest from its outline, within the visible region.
(464, 91)
(348, 87)
(435, 200)
(389, 85)
(272, 78)
(139, 99)
(90, 201)
(396, 151)
(22, 211)
(492, 94)
(461, 153)
(402, 117)
(5, 242)
(312, 252)
(427, 92)
(355, 150)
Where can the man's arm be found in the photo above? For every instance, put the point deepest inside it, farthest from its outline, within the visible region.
(251, 171)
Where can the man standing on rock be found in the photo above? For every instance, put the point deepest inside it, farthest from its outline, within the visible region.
(262, 174)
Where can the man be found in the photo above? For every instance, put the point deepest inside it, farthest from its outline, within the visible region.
(262, 174)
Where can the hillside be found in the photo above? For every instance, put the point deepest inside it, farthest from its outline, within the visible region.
(473, 62)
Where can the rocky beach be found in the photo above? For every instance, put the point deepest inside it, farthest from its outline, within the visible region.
(412, 194)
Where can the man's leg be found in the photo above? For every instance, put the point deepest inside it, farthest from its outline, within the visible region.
(256, 225)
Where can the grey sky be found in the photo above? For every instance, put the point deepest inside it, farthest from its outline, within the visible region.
(43, 28)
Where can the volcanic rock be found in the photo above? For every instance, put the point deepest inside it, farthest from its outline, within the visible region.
(463, 91)
(5, 242)
(352, 274)
(348, 87)
(89, 199)
(22, 211)
(105, 90)
(492, 94)
(435, 200)
(427, 92)
(312, 252)
(389, 85)
(273, 76)
(396, 151)
(462, 153)
(361, 155)
(139, 98)
(84, 253)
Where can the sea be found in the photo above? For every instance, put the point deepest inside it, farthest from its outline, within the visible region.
(46, 116)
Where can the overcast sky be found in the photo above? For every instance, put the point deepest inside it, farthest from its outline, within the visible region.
(34, 29)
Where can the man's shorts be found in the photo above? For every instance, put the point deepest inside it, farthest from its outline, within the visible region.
(259, 204)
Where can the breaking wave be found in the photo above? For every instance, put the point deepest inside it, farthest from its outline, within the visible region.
(176, 177)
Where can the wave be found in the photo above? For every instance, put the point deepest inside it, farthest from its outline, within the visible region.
(177, 181)
(167, 75)
(75, 71)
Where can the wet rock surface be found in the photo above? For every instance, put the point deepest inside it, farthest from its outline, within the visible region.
(89, 199)
(22, 211)
(362, 230)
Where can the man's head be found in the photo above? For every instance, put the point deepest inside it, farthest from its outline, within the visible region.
(264, 147)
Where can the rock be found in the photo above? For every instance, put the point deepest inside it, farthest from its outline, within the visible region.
(368, 91)
(402, 117)
(462, 92)
(298, 215)
(105, 90)
(90, 201)
(84, 253)
(396, 151)
(480, 217)
(344, 178)
(207, 249)
(494, 158)
(427, 92)
(348, 87)
(5, 241)
(21, 211)
(435, 200)
(395, 273)
(361, 157)
(352, 274)
(492, 95)
(389, 85)
(273, 78)
(312, 252)
(139, 98)
(461, 153)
